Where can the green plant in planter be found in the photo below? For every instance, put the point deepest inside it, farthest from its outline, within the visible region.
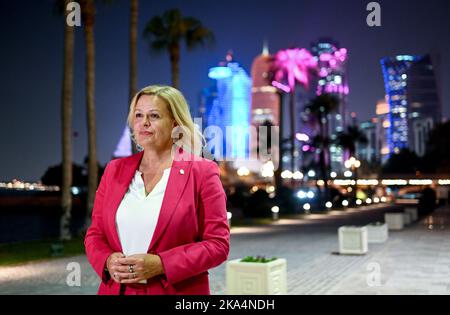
(258, 259)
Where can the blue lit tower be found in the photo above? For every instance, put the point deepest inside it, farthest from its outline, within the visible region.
(413, 101)
(228, 105)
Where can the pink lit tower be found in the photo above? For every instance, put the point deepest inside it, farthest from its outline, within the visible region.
(265, 100)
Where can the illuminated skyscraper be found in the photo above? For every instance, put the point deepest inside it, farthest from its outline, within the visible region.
(333, 79)
(413, 100)
(227, 106)
(265, 100)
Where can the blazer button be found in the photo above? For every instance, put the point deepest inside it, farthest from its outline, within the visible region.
(182, 171)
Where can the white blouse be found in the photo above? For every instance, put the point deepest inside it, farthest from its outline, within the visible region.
(138, 214)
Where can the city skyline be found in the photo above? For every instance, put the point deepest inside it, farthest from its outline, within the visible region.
(36, 64)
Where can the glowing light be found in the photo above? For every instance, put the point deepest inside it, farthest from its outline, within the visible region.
(307, 206)
(267, 169)
(243, 171)
(281, 86)
(255, 189)
(394, 182)
(275, 209)
(298, 175)
(306, 148)
(311, 173)
(368, 201)
(320, 182)
(218, 73)
(286, 174)
(376, 200)
(229, 215)
(328, 205)
(444, 182)
(358, 202)
(302, 137)
(348, 174)
(333, 174)
(420, 182)
(310, 195)
(345, 203)
(383, 199)
(294, 65)
(301, 194)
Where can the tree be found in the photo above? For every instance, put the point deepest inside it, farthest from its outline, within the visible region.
(405, 162)
(134, 14)
(294, 66)
(317, 111)
(164, 33)
(437, 159)
(66, 113)
(348, 140)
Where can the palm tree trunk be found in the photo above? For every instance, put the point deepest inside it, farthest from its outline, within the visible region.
(292, 134)
(277, 173)
(174, 52)
(134, 13)
(90, 103)
(66, 110)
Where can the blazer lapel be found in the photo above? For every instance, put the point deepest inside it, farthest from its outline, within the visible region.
(178, 177)
(121, 184)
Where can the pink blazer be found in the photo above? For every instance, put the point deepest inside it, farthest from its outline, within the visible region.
(191, 235)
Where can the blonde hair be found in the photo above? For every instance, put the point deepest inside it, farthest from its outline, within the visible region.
(192, 139)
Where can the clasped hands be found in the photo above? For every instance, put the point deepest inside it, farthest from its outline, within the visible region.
(134, 268)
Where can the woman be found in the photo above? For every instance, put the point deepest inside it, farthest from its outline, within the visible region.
(159, 219)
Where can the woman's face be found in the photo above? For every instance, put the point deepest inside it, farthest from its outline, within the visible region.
(153, 123)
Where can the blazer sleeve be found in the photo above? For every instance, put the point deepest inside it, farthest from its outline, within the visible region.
(96, 244)
(188, 260)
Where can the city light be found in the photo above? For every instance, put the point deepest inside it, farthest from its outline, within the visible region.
(275, 209)
(383, 199)
(345, 203)
(358, 202)
(298, 175)
(302, 137)
(307, 206)
(243, 171)
(310, 194)
(368, 201)
(328, 205)
(311, 173)
(348, 174)
(333, 174)
(286, 174)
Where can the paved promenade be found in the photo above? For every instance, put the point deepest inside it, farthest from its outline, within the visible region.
(415, 260)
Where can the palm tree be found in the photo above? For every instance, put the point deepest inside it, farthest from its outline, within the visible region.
(134, 14)
(66, 111)
(349, 139)
(318, 110)
(294, 66)
(88, 11)
(167, 31)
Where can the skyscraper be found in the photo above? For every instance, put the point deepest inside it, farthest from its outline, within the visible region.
(333, 79)
(227, 106)
(413, 99)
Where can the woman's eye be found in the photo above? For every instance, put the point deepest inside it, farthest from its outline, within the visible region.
(138, 115)
(154, 116)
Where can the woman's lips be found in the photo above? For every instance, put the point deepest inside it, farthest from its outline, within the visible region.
(145, 133)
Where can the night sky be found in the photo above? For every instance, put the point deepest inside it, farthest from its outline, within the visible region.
(32, 50)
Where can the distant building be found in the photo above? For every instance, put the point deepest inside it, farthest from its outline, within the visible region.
(333, 79)
(227, 104)
(413, 98)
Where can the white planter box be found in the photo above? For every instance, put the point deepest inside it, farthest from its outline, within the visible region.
(248, 278)
(406, 218)
(414, 213)
(394, 221)
(377, 233)
(353, 240)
